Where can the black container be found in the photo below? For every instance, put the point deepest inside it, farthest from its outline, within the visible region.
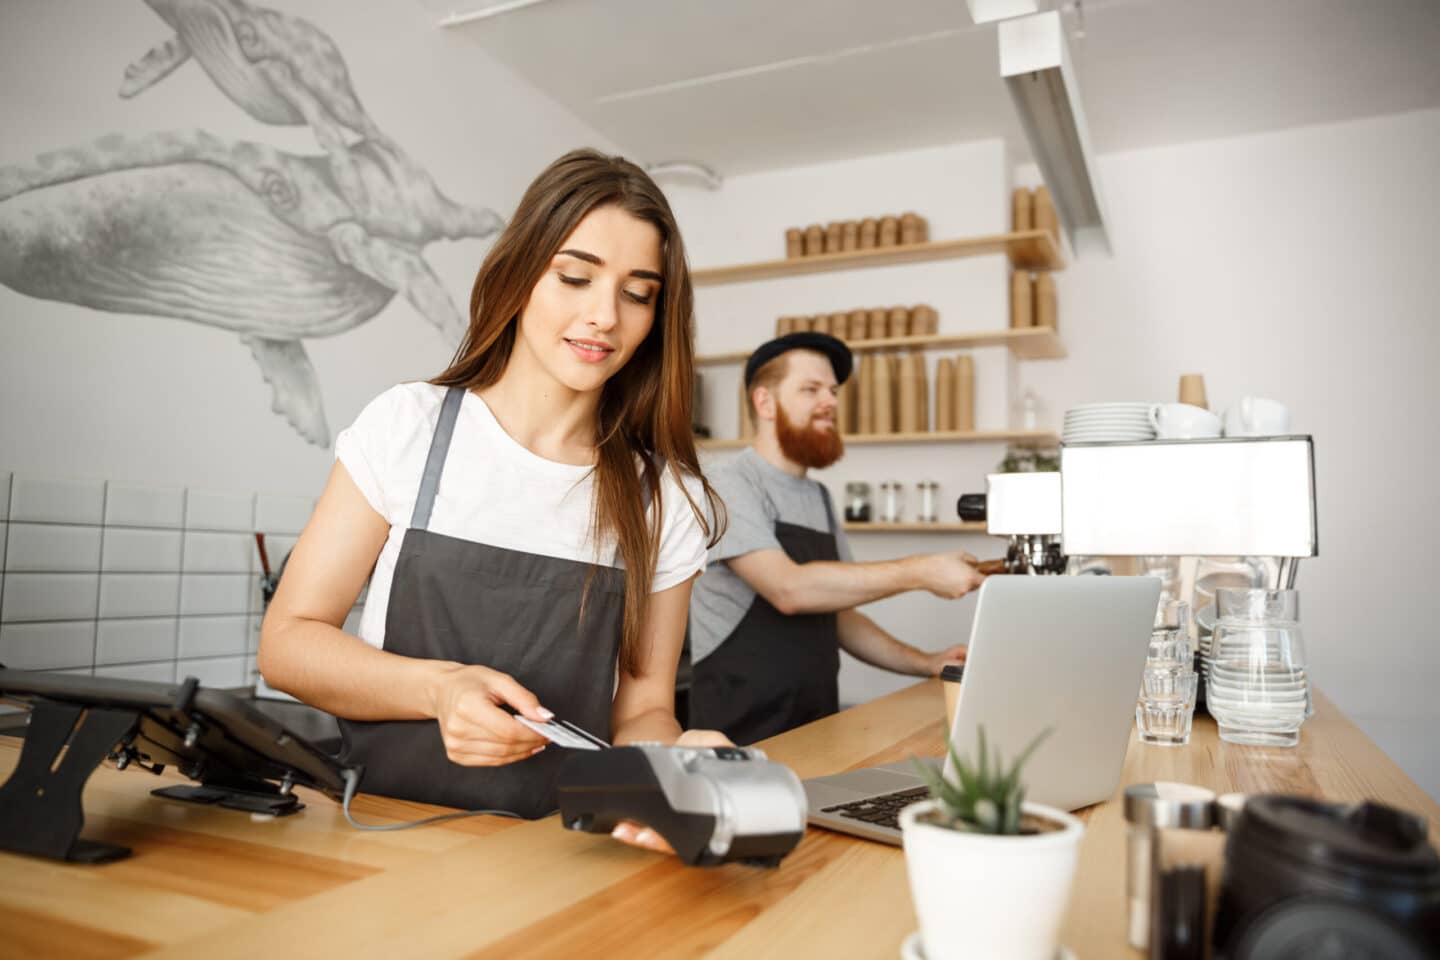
(1305, 879)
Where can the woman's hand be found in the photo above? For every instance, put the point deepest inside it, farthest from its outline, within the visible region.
(639, 835)
(477, 731)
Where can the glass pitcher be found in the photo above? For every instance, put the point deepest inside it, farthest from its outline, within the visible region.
(1256, 686)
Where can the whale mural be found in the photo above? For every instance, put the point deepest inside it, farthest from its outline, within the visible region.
(275, 246)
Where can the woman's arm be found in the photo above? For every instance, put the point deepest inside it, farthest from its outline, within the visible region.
(304, 652)
(644, 705)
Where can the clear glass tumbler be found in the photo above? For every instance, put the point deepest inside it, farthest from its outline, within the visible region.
(1256, 687)
(1165, 709)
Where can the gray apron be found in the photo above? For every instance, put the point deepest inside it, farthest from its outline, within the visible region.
(774, 672)
(454, 599)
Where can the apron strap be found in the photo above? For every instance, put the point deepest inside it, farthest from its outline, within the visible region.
(824, 498)
(829, 510)
(435, 462)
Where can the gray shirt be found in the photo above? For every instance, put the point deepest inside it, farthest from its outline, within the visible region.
(757, 495)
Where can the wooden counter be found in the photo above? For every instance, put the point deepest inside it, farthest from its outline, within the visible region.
(215, 883)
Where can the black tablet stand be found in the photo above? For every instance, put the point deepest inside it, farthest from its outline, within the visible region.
(40, 805)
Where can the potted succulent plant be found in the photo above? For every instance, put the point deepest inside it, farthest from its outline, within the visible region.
(989, 873)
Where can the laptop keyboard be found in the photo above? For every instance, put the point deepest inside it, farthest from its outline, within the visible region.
(882, 811)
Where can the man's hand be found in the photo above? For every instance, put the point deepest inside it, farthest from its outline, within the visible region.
(949, 575)
(937, 662)
(639, 835)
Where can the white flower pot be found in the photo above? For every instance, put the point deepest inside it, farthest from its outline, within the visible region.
(978, 895)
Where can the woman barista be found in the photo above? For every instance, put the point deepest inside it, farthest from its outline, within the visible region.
(533, 516)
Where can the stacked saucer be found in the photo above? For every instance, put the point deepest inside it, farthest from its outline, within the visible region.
(1108, 423)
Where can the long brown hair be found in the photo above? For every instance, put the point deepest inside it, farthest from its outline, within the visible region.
(646, 409)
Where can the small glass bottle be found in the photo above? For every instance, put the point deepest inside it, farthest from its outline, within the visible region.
(857, 502)
(928, 511)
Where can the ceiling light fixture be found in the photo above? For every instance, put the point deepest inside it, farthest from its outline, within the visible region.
(986, 11)
(1037, 71)
(686, 174)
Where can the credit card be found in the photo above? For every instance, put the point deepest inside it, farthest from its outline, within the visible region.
(565, 734)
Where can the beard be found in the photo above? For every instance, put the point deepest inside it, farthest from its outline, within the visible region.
(811, 447)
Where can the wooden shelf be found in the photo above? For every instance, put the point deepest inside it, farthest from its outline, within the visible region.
(914, 527)
(1027, 249)
(1024, 438)
(1027, 343)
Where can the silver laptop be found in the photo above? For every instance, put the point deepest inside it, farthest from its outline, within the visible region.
(1059, 652)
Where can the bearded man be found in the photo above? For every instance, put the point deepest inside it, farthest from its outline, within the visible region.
(776, 605)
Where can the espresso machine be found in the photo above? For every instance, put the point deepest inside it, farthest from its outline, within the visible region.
(1024, 507)
(1241, 496)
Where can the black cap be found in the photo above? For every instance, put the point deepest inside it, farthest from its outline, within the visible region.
(833, 348)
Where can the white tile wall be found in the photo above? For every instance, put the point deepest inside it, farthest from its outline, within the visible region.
(56, 500)
(216, 593)
(139, 594)
(153, 672)
(135, 641)
(137, 581)
(141, 551)
(283, 515)
(218, 552)
(219, 511)
(47, 646)
(49, 596)
(219, 672)
(132, 506)
(53, 548)
(213, 636)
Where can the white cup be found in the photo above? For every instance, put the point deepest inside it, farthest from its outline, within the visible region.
(1183, 421)
(1257, 417)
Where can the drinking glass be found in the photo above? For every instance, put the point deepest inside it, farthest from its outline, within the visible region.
(1165, 709)
(1256, 686)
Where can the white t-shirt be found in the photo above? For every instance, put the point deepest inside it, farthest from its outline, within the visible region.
(492, 491)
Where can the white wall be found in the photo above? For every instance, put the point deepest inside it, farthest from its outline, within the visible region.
(153, 400)
(1298, 265)
(963, 191)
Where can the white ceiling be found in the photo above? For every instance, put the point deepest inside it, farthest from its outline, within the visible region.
(747, 85)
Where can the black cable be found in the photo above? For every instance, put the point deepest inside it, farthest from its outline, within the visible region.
(352, 783)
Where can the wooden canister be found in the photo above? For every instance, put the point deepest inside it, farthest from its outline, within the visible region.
(814, 240)
(897, 322)
(1022, 209)
(910, 229)
(1045, 216)
(965, 393)
(794, 243)
(1022, 306)
(845, 407)
(945, 395)
(821, 323)
(783, 325)
(877, 324)
(859, 325)
(909, 394)
(889, 232)
(1192, 390)
(924, 320)
(834, 236)
(869, 234)
(922, 390)
(883, 414)
(865, 395)
(1045, 315)
(840, 325)
(850, 235)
